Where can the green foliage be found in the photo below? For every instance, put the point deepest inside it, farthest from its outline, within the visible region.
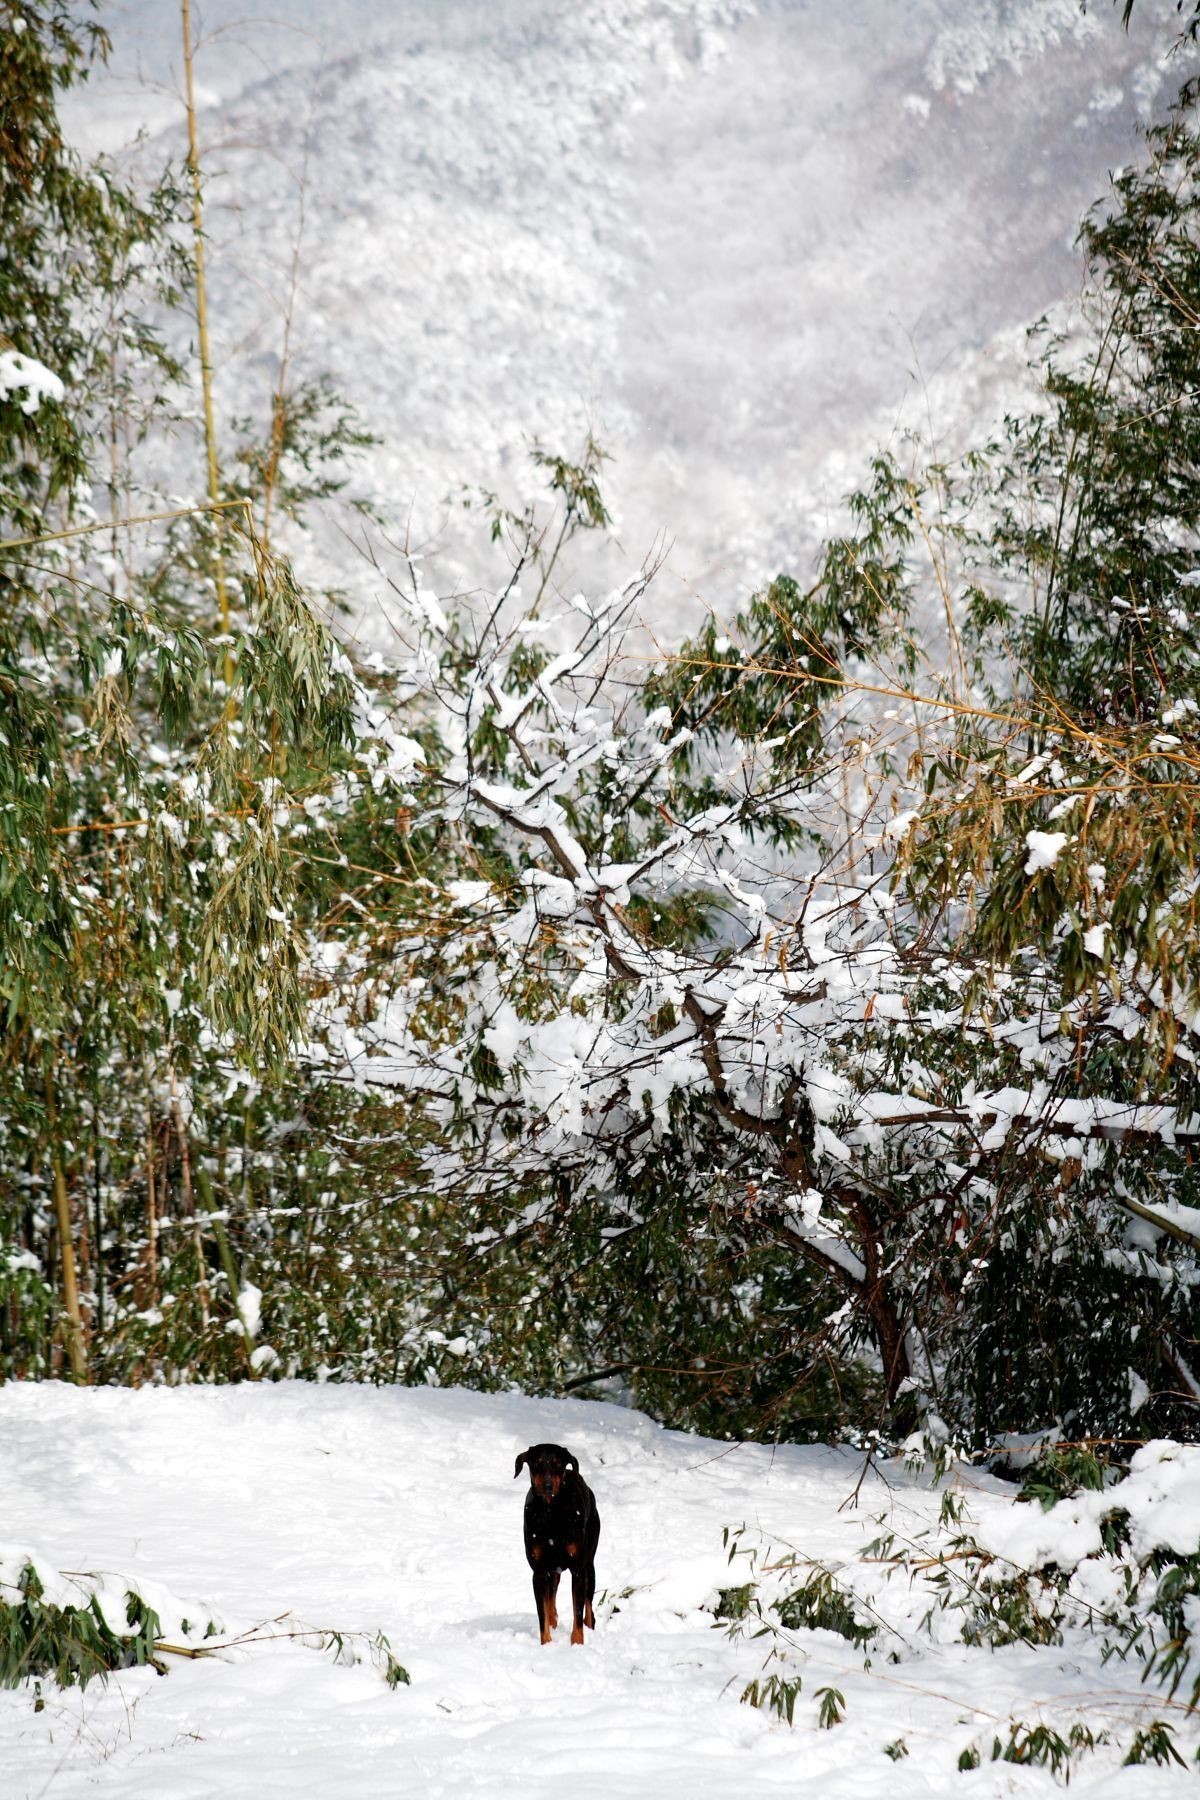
(153, 776)
(307, 456)
(774, 1693)
(100, 657)
(578, 484)
(347, 1646)
(394, 1672)
(1160, 1630)
(70, 1644)
(822, 1605)
(733, 1603)
(75, 282)
(1087, 1312)
(201, 865)
(1093, 516)
(1192, 26)
(832, 1709)
(1016, 1609)
(1154, 1743)
(770, 682)
(1062, 557)
(1059, 1471)
(707, 1327)
(1150, 1615)
(1037, 1745)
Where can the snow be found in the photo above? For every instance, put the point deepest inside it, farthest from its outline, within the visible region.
(396, 1509)
(1161, 1495)
(1093, 938)
(1045, 848)
(25, 375)
(249, 1305)
(573, 1076)
(900, 824)
(469, 893)
(720, 234)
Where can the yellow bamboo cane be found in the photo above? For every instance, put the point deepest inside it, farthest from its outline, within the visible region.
(210, 429)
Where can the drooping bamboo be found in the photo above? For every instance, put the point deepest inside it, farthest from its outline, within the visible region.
(73, 1323)
(210, 429)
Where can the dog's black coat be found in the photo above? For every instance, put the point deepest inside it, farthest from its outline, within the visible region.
(562, 1529)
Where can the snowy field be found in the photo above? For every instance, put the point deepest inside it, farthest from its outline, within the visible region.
(353, 1508)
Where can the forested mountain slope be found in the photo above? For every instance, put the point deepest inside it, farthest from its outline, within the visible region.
(741, 242)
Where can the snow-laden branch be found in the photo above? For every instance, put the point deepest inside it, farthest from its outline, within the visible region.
(994, 1115)
(802, 1042)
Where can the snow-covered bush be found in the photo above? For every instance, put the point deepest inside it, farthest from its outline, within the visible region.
(71, 1629)
(648, 982)
(1085, 1560)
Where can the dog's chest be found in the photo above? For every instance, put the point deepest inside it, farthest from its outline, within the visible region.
(559, 1528)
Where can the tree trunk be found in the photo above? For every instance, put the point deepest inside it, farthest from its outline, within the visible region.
(877, 1302)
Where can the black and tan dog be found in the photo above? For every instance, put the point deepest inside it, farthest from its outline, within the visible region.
(562, 1529)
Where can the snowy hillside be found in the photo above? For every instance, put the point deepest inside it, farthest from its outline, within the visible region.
(352, 1508)
(740, 240)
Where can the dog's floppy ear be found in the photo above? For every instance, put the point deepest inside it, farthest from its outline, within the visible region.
(521, 1461)
(572, 1461)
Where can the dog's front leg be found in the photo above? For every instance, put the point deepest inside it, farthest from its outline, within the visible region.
(578, 1602)
(544, 1602)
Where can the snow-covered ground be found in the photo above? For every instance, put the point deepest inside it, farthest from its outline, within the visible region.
(396, 1509)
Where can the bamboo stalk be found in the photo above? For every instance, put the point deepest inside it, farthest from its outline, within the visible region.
(189, 1198)
(73, 1331)
(210, 429)
(156, 518)
(98, 1229)
(151, 1213)
(224, 1249)
(100, 825)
